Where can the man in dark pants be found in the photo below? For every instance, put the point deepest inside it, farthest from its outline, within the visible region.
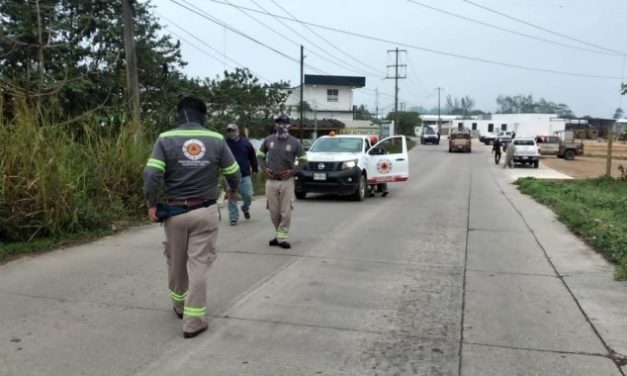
(244, 154)
(496, 150)
(188, 161)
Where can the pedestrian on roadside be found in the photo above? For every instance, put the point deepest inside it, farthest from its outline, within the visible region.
(277, 156)
(496, 150)
(244, 154)
(188, 160)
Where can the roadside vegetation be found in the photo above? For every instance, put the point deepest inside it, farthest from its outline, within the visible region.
(71, 161)
(594, 209)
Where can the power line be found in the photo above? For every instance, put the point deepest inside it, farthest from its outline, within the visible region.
(203, 14)
(223, 24)
(324, 39)
(208, 45)
(511, 31)
(430, 50)
(317, 46)
(338, 63)
(544, 29)
(411, 66)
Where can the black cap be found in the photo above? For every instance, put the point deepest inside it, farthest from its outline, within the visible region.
(282, 119)
(192, 103)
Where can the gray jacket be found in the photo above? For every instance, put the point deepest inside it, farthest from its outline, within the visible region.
(189, 160)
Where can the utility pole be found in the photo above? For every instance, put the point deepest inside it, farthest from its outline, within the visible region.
(439, 121)
(608, 161)
(396, 77)
(132, 82)
(302, 75)
(376, 104)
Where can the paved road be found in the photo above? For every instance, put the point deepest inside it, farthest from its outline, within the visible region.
(453, 273)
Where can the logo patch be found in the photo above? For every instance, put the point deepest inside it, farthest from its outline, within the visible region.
(288, 148)
(194, 149)
(384, 166)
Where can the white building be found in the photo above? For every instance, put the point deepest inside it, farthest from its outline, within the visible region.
(330, 97)
(522, 124)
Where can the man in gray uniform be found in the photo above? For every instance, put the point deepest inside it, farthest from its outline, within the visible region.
(277, 157)
(189, 159)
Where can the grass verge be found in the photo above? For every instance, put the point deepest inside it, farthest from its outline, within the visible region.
(594, 209)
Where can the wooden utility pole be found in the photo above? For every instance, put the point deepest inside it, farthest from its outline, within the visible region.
(132, 82)
(608, 166)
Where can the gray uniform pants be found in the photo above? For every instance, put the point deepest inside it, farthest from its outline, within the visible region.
(280, 196)
(190, 251)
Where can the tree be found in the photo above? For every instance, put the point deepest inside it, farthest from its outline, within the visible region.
(362, 113)
(407, 121)
(618, 113)
(73, 64)
(623, 90)
(521, 104)
(459, 106)
(239, 97)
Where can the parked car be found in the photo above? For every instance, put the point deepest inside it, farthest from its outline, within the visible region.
(430, 135)
(523, 150)
(459, 141)
(555, 145)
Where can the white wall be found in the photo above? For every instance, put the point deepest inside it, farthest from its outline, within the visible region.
(523, 124)
(316, 96)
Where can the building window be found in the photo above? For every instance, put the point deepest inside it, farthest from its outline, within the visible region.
(460, 126)
(490, 127)
(503, 127)
(332, 95)
(474, 126)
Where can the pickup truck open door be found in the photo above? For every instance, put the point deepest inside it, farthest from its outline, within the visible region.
(388, 161)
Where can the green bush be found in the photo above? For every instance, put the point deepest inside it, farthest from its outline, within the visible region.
(58, 181)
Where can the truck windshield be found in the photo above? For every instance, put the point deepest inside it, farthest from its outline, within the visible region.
(338, 145)
(524, 142)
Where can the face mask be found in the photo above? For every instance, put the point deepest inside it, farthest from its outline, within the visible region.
(233, 136)
(281, 130)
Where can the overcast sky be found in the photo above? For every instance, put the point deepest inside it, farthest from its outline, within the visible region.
(583, 44)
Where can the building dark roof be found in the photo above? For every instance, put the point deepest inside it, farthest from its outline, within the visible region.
(323, 124)
(354, 81)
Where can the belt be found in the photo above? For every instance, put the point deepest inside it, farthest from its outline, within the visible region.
(191, 202)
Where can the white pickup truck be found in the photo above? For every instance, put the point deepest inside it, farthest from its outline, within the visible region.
(523, 150)
(348, 164)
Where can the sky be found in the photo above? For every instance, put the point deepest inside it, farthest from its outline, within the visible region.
(566, 51)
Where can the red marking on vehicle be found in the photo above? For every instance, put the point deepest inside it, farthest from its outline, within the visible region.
(387, 179)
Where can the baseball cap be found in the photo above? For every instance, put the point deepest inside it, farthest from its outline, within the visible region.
(233, 127)
(282, 119)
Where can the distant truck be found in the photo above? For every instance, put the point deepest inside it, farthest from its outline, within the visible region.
(459, 141)
(561, 146)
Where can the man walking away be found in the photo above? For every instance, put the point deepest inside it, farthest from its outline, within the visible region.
(277, 157)
(244, 154)
(496, 150)
(188, 161)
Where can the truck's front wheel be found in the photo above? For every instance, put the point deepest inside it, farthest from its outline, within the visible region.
(360, 192)
(300, 195)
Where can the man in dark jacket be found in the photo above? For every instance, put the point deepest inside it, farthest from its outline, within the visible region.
(246, 158)
(496, 150)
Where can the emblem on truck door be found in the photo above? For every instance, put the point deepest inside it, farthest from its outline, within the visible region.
(384, 166)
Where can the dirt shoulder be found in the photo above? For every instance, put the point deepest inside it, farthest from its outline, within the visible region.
(583, 167)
